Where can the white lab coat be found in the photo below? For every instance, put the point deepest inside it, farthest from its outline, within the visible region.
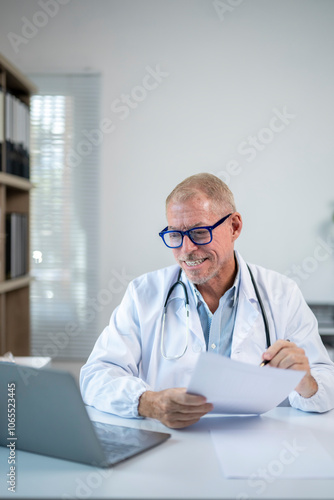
(126, 359)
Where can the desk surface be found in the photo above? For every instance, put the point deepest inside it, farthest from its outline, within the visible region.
(185, 466)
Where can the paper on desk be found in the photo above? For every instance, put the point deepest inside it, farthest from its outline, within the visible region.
(240, 388)
(261, 447)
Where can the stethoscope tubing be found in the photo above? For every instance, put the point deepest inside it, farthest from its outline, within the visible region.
(186, 303)
(264, 315)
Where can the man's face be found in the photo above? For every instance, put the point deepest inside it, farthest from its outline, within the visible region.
(203, 263)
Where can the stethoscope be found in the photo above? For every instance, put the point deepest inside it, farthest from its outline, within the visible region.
(179, 282)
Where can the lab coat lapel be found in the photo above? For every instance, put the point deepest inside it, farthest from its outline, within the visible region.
(247, 313)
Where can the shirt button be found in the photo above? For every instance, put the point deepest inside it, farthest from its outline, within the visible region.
(197, 347)
(213, 346)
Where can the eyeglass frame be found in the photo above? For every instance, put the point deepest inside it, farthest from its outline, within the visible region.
(187, 233)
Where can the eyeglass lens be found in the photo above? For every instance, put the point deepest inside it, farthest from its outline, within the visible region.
(200, 236)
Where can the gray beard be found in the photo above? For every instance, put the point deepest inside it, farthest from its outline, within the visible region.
(201, 281)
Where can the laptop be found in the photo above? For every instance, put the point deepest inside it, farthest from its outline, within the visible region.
(50, 418)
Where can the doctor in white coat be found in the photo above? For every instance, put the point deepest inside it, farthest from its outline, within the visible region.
(142, 361)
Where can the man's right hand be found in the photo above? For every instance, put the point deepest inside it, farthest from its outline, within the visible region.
(173, 407)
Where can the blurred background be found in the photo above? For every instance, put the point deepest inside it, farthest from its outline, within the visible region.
(164, 89)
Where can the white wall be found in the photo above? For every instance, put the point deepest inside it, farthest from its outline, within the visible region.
(226, 76)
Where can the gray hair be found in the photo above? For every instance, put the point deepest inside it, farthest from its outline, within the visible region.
(214, 189)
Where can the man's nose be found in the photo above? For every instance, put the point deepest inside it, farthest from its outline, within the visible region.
(188, 245)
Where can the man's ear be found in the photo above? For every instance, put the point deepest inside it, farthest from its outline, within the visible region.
(236, 225)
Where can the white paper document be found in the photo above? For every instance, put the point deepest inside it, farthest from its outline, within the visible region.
(264, 449)
(240, 388)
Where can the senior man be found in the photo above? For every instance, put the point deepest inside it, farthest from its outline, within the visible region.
(143, 360)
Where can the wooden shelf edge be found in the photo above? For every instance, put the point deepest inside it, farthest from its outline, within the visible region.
(15, 181)
(15, 284)
(7, 66)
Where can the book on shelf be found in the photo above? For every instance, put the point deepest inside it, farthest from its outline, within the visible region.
(2, 136)
(16, 245)
(16, 135)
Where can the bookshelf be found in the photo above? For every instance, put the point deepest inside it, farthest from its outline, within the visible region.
(15, 92)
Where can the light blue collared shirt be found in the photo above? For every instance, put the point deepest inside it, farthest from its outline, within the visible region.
(218, 327)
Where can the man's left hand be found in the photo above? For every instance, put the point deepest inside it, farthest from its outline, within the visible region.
(285, 354)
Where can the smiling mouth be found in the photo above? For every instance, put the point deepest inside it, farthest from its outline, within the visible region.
(193, 263)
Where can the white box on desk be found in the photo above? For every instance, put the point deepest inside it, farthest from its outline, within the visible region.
(30, 361)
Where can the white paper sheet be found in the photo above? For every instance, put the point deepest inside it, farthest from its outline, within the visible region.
(240, 388)
(259, 447)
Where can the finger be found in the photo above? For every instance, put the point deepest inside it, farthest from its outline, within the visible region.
(289, 358)
(180, 424)
(185, 398)
(186, 416)
(195, 410)
(295, 362)
(274, 349)
(194, 399)
(291, 362)
(174, 408)
(178, 420)
(175, 400)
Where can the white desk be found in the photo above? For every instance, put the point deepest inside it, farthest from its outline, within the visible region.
(185, 466)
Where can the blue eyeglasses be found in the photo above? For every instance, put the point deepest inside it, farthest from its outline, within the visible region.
(198, 235)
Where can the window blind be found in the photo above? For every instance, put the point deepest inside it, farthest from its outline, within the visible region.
(64, 214)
